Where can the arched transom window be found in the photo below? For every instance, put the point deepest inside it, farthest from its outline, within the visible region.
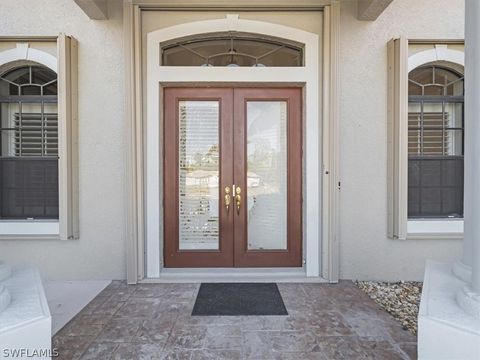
(435, 81)
(28, 143)
(231, 49)
(435, 142)
(29, 80)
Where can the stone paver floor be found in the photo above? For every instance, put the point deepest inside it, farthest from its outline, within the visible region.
(153, 321)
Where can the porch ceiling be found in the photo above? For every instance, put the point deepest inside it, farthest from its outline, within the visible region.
(95, 9)
(370, 10)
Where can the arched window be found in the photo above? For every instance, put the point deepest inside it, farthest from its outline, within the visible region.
(28, 143)
(231, 49)
(435, 142)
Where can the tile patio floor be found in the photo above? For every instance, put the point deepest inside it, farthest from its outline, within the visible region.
(152, 321)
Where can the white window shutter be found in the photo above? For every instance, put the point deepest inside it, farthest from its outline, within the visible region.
(397, 138)
(68, 140)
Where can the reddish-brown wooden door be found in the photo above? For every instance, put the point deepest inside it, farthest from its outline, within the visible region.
(232, 177)
(198, 128)
(268, 165)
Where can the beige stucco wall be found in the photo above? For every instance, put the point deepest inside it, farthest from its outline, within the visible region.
(100, 251)
(365, 250)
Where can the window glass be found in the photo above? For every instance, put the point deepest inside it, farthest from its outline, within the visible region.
(455, 88)
(444, 76)
(267, 175)
(30, 90)
(42, 75)
(231, 50)
(433, 90)
(28, 144)
(414, 88)
(19, 76)
(422, 75)
(435, 143)
(199, 174)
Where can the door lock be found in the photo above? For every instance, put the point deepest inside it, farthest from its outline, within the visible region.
(238, 198)
(228, 198)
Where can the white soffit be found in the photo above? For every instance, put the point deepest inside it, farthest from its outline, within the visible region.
(370, 10)
(95, 9)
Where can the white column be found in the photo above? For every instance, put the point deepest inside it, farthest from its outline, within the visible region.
(469, 297)
(463, 268)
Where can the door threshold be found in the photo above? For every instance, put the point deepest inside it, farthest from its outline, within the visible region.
(195, 275)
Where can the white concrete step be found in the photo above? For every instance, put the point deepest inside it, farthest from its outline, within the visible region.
(445, 331)
(5, 298)
(25, 325)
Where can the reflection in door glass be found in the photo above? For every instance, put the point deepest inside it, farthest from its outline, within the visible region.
(198, 175)
(267, 174)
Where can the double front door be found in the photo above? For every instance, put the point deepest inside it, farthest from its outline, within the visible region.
(232, 177)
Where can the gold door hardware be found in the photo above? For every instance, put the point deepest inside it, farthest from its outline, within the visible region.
(238, 198)
(228, 198)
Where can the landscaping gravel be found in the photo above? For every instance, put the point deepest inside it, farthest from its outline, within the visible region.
(401, 299)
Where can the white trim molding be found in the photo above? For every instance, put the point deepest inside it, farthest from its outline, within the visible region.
(66, 68)
(23, 51)
(307, 75)
(237, 5)
(441, 52)
(8, 58)
(27, 228)
(435, 228)
(399, 66)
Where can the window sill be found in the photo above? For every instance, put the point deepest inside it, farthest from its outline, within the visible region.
(29, 228)
(4, 237)
(435, 229)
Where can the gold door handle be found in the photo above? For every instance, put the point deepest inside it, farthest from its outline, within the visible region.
(238, 198)
(228, 198)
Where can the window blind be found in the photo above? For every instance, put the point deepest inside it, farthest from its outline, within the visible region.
(429, 137)
(36, 134)
(199, 171)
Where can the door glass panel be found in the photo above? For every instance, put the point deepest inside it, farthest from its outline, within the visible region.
(198, 175)
(267, 175)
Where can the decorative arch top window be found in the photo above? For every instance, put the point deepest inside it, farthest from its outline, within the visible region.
(435, 142)
(28, 143)
(434, 81)
(29, 80)
(232, 49)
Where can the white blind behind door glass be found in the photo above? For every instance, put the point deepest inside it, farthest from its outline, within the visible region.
(199, 175)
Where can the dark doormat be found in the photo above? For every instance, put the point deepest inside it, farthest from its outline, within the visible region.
(239, 299)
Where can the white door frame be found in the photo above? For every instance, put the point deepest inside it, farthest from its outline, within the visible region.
(307, 75)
